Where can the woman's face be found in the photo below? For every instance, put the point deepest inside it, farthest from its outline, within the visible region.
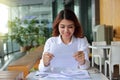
(66, 28)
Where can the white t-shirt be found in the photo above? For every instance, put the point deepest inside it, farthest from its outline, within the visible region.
(63, 53)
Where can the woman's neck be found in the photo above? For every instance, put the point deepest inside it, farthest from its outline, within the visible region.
(66, 40)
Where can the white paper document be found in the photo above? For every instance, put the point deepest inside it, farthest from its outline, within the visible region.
(63, 58)
(55, 75)
(80, 74)
(66, 74)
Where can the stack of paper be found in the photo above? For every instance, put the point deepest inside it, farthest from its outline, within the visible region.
(81, 74)
(65, 74)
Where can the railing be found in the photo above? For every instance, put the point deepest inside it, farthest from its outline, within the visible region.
(7, 46)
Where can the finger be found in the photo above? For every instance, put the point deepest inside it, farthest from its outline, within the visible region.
(47, 54)
(75, 54)
(82, 56)
(51, 55)
(80, 52)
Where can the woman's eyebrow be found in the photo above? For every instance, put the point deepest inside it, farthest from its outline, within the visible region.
(67, 25)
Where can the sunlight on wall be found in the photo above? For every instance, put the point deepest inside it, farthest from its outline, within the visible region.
(3, 19)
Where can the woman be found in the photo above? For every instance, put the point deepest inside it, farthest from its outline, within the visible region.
(68, 48)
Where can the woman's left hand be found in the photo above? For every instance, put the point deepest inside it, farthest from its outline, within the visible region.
(80, 57)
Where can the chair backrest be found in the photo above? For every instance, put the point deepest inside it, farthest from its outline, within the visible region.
(115, 52)
(98, 51)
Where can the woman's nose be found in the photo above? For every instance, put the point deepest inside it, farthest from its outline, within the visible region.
(66, 29)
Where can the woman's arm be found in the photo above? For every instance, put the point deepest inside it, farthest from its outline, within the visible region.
(46, 57)
(84, 47)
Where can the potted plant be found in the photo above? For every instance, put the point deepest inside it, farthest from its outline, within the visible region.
(25, 33)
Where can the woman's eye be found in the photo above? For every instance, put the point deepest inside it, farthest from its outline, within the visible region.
(62, 26)
(71, 26)
(68, 26)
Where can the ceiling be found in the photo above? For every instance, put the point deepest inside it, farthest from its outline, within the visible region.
(26, 2)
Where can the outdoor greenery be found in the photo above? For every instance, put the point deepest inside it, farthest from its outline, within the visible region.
(28, 32)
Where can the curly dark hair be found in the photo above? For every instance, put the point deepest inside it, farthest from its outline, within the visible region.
(69, 15)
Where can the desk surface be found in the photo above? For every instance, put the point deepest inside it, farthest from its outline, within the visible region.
(11, 75)
(94, 75)
(100, 46)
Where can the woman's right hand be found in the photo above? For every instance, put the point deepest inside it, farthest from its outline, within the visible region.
(47, 57)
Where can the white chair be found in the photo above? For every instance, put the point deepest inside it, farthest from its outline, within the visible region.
(98, 53)
(114, 57)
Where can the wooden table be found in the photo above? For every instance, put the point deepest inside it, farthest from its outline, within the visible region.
(11, 75)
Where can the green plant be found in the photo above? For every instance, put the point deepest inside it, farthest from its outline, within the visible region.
(28, 32)
(17, 31)
(25, 33)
